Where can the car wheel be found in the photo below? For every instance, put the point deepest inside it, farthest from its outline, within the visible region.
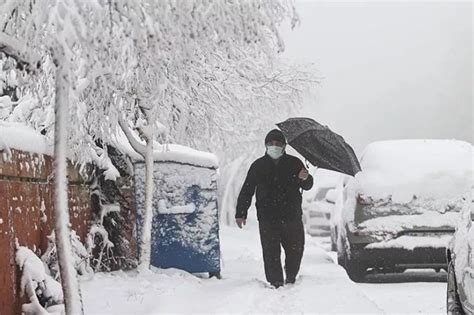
(453, 304)
(355, 270)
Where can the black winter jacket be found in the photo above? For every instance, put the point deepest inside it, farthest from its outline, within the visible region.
(277, 189)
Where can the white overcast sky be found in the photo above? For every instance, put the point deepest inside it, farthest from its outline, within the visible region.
(389, 70)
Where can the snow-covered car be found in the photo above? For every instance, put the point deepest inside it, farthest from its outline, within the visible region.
(318, 214)
(460, 257)
(401, 211)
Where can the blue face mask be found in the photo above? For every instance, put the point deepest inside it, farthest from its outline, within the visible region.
(275, 152)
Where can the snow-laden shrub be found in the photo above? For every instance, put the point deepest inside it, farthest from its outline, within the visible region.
(98, 238)
(99, 246)
(81, 256)
(44, 293)
(111, 235)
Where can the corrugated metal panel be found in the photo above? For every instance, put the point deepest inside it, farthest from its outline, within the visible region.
(8, 300)
(25, 165)
(26, 214)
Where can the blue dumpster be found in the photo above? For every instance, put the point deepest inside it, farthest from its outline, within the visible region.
(185, 225)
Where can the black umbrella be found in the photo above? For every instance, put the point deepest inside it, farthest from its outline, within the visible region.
(320, 146)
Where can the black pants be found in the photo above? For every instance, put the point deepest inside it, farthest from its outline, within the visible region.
(290, 236)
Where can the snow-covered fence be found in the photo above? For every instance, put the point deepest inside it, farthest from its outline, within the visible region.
(26, 214)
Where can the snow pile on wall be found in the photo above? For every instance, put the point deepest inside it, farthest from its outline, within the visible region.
(425, 168)
(21, 137)
(14, 135)
(44, 293)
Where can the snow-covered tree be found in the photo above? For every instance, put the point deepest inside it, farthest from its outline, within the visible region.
(204, 71)
(58, 30)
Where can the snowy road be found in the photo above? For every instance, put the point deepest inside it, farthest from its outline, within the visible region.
(323, 287)
(411, 292)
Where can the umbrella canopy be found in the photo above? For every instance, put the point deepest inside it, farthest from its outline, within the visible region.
(319, 145)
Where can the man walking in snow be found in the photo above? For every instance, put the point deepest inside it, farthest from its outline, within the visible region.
(277, 178)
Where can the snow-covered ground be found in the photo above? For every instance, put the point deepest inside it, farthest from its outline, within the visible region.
(408, 293)
(411, 292)
(323, 287)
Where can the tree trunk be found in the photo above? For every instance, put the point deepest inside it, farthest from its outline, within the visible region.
(70, 285)
(145, 248)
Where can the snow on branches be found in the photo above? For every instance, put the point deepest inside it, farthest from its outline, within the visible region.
(203, 70)
(201, 73)
(44, 293)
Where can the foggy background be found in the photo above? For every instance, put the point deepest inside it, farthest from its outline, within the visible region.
(389, 70)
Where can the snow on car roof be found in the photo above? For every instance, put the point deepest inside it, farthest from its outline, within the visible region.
(425, 168)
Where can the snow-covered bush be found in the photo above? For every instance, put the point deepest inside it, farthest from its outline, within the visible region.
(98, 238)
(44, 293)
(110, 240)
(99, 246)
(80, 256)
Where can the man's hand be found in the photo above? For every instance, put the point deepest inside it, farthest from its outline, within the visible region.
(303, 174)
(240, 222)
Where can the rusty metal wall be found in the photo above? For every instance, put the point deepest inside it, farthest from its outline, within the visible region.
(26, 215)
